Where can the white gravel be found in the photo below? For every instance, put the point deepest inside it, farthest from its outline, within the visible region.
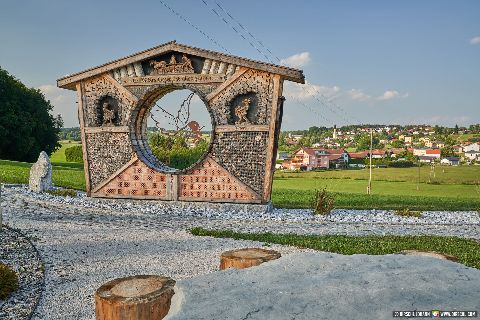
(86, 242)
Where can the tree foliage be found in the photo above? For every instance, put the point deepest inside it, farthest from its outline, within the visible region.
(26, 124)
(74, 154)
(174, 151)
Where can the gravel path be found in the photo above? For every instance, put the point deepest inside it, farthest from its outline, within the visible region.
(85, 242)
(18, 253)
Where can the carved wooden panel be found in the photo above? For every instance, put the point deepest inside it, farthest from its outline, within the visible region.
(210, 181)
(252, 83)
(137, 180)
(97, 89)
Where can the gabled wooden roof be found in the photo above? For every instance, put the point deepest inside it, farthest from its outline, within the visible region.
(291, 74)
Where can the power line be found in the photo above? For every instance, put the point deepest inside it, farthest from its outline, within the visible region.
(194, 26)
(316, 94)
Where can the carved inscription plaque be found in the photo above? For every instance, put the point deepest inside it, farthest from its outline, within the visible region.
(173, 79)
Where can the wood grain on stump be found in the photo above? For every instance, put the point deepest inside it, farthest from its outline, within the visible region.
(246, 258)
(141, 297)
(432, 254)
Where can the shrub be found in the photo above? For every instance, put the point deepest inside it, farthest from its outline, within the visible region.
(401, 164)
(408, 213)
(74, 154)
(323, 202)
(8, 281)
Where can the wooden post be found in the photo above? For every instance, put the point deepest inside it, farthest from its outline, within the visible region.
(246, 258)
(142, 297)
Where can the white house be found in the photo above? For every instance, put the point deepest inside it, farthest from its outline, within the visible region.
(471, 147)
(450, 161)
(472, 155)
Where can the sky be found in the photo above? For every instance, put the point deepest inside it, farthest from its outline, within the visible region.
(390, 62)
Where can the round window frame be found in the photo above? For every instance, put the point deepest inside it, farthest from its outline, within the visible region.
(138, 128)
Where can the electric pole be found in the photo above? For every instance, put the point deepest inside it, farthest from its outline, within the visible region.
(369, 188)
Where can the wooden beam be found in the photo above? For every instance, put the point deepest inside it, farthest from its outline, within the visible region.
(81, 120)
(120, 88)
(116, 173)
(234, 128)
(226, 84)
(287, 73)
(269, 167)
(106, 129)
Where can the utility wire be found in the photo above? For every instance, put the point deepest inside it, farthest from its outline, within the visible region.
(319, 97)
(194, 26)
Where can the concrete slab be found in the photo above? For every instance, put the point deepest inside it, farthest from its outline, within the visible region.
(329, 286)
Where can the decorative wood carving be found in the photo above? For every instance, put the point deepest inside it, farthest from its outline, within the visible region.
(242, 97)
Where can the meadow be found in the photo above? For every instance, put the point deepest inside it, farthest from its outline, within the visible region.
(445, 188)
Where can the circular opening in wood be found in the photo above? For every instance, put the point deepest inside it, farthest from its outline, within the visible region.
(173, 129)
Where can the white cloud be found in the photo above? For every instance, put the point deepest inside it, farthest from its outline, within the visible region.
(389, 94)
(63, 102)
(358, 95)
(475, 40)
(297, 60)
(308, 91)
(53, 93)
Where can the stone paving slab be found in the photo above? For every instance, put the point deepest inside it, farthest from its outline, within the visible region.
(329, 286)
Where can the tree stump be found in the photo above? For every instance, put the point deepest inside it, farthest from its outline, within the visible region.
(246, 258)
(142, 297)
(432, 254)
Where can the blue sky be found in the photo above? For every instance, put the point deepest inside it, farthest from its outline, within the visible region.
(372, 61)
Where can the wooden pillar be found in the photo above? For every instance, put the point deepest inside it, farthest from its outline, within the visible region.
(81, 119)
(143, 297)
(246, 258)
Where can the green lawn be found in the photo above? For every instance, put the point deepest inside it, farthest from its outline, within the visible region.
(448, 188)
(467, 251)
(58, 156)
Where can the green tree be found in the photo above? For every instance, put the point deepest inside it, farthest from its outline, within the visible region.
(447, 151)
(26, 124)
(363, 142)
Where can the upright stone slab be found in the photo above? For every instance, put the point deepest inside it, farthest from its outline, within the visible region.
(41, 174)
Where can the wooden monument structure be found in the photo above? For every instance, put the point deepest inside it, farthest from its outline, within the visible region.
(243, 97)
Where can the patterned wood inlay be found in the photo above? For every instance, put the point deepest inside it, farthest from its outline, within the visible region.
(138, 180)
(210, 181)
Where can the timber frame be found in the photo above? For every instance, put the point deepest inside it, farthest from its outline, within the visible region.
(243, 97)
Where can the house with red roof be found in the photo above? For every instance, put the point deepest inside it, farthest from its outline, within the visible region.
(434, 153)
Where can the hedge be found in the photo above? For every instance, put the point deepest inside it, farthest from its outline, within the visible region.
(74, 154)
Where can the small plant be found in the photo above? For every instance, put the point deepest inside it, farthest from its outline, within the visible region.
(408, 213)
(323, 202)
(63, 192)
(8, 281)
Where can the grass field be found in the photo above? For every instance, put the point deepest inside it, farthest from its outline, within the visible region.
(58, 157)
(64, 174)
(467, 251)
(448, 188)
